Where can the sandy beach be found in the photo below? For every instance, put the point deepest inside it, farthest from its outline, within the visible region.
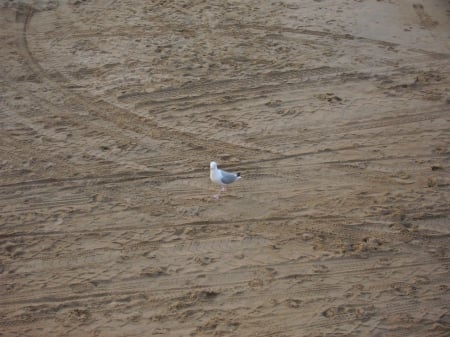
(336, 113)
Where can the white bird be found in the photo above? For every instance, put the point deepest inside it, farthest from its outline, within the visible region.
(222, 177)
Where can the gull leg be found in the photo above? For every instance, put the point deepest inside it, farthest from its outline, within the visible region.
(217, 196)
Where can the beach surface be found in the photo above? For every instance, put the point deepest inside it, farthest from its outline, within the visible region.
(336, 113)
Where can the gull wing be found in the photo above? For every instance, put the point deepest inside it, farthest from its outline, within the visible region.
(227, 177)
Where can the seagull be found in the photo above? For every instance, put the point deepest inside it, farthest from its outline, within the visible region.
(222, 177)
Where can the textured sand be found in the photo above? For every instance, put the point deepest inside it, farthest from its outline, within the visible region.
(337, 114)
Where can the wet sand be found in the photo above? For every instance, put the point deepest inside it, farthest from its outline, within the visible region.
(336, 113)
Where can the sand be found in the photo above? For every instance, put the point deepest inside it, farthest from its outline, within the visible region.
(336, 113)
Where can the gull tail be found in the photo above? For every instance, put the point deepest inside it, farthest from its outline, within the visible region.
(238, 175)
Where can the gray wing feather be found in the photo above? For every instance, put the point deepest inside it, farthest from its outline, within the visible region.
(227, 177)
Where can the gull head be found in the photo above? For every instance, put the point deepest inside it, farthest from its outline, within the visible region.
(213, 165)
